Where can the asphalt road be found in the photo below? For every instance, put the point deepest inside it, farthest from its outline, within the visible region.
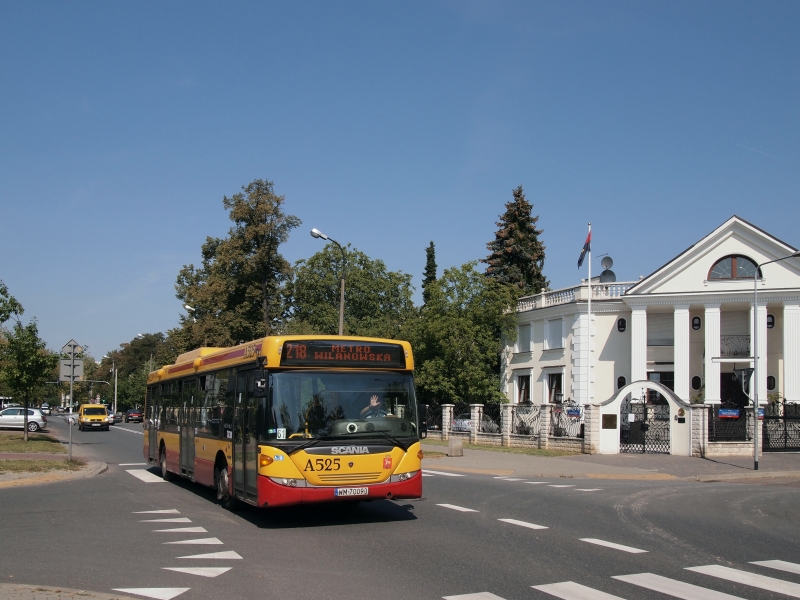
(94, 534)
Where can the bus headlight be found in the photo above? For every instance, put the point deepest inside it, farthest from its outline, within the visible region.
(288, 481)
(403, 476)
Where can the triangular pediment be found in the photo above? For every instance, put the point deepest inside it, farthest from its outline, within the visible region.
(689, 271)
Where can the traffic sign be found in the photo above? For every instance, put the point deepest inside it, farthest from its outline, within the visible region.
(70, 368)
(72, 348)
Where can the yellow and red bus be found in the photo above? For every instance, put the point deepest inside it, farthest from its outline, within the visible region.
(290, 420)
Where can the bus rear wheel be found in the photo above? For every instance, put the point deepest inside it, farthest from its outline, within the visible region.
(162, 461)
(222, 485)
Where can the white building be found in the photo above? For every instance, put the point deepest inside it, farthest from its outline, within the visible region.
(686, 325)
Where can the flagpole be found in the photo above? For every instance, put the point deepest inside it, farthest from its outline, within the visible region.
(589, 328)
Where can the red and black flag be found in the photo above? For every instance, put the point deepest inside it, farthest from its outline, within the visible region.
(587, 247)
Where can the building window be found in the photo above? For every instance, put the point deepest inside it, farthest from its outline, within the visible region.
(524, 389)
(554, 387)
(697, 323)
(733, 267)
(697, 383)
(555, 335)
(770, 383)
(621, 381)
(770, 321)
(524, 338)
(622, 325)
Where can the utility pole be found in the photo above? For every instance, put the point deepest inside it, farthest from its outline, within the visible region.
(71, 369)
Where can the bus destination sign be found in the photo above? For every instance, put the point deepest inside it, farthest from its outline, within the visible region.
(328, 353)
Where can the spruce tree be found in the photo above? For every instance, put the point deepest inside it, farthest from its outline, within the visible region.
(517, 254)
(429, 276)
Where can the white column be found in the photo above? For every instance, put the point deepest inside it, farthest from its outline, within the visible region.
(791, 351)
(761, 352)
(681, 351)
(712, 333)
(638, 346)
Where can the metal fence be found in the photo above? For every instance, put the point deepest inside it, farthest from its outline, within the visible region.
(781, 427)
(565, 419)
(433, 416)
(729, 423)
(525, 419)
(462, 420)
(490, 418)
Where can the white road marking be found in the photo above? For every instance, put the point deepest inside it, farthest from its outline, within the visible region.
(454, 507)
(588, 489)
(175, 520)
(158, 593)
(424, 474)
(512, 479)
(536, 482)
(441, 473)
(781, 565)
(208, 541)
(166, 511)
(752, 579)
(498, 477)
(569, 590)
(613, 545)
(673, 587)
(132, 464)
(478, 596)
(229, 555)
(562, 485)
(523, 524)
(182, 530)
(130, 431)
(145, 476)
(202, 571)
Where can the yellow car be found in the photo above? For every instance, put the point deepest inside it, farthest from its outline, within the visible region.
(93, 416)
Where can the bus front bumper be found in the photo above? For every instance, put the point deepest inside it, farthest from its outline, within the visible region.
(273, 494)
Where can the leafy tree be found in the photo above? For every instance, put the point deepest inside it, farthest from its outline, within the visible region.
(133, 363)
(458, 337)
(8, 304)
(429, 276)
(377, 301)
(237, 293)
(25, 364)
(516, 253)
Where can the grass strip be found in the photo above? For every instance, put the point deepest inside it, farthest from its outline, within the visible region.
(528, 451)
(37, 442)
(39, 466)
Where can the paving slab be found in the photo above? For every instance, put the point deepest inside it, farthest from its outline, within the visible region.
(12, 591)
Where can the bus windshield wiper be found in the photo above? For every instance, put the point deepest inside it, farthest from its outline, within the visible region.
(313, 442)
(392, 439)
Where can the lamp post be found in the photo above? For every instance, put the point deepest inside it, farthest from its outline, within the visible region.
(755, 353)
(316, 233)
(114, 370)
(141, 337)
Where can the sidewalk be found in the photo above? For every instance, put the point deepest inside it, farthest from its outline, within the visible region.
(11, 591)
(617, 466)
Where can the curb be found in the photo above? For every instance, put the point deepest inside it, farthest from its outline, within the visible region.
(92, 469)
(741, 476)
(13, 591)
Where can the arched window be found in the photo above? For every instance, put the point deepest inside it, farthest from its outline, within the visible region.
(733, 267)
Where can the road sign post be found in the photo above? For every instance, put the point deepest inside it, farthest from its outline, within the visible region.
(71, 369)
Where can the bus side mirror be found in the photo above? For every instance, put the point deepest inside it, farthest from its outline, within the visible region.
(422, 411)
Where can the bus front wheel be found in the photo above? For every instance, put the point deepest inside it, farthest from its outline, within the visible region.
(222, 482)
(162, 461)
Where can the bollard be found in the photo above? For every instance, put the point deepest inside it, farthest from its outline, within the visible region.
(455, 447)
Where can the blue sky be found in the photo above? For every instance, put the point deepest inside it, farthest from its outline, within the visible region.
(386, 125)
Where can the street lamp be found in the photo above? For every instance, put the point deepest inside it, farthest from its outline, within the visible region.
(191, 310)
(140, 336)
(755, 353)
(113, 370)
(316, 233)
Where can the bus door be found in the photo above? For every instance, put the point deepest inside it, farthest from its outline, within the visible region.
(187, 418)
(245, 457)
(151, 410)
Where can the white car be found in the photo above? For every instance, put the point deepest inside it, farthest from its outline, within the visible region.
(14, 418)
(45, 408)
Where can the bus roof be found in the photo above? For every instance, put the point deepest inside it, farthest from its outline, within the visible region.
(327, 351)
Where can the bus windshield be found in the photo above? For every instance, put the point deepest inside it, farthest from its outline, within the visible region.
(338, 405)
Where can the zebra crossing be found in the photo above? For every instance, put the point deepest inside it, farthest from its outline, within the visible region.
(505, 478)
(572, 590)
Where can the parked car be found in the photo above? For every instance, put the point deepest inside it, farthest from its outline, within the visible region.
(118, 416)
(94, 416)
(14, 418)
(134, 414)
(45, 408)
(463, 422)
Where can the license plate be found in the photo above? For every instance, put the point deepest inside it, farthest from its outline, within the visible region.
(95, 424)
(343, 492)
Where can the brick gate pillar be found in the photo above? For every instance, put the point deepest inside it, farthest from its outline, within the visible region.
(506, 416)
(447, 420)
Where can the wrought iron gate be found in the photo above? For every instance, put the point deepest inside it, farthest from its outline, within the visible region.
(781, 427)
(644, 425)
